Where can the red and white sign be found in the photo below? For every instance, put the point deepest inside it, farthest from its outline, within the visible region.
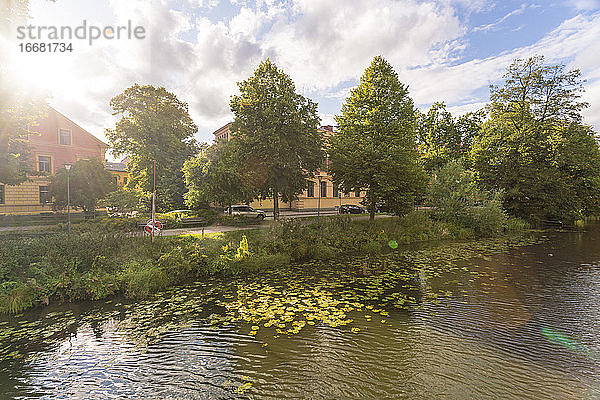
(157, 226)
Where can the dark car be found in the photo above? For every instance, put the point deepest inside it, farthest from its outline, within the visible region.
(379, 207)
(351, 209)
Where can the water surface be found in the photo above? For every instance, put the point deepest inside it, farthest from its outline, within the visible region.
(511, 319)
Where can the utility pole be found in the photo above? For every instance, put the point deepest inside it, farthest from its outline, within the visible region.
(68, 168)
(154, 202)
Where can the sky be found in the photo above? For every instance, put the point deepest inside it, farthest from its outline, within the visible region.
(445, 50)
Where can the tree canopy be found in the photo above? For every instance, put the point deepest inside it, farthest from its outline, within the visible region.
(443, 137)
(534, 146)
(154, 126)
(89, 182)
(277, 130)
(213, 176)
(375, 148)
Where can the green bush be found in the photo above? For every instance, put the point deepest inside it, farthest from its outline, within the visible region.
(141, 279)
(487, 220)
(16, 297)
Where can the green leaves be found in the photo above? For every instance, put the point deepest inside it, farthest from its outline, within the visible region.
(154, 126)
(443, 138)
(89, 182)
(527, 148)
(215, 175)
(277, 130)
(375, 147)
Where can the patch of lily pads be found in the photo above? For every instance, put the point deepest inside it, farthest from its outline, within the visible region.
(348, 294)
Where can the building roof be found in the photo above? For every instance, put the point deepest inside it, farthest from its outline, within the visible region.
(100, 142)
(222, 129)
(116, 166)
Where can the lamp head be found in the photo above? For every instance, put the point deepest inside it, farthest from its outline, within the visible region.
(68, 167)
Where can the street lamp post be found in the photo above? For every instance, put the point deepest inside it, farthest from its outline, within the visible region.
(319, 204)
(68, 168)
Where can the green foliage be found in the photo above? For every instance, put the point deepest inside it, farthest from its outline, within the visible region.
(455, 197)
(535, 148)
(19, 297)
(89, 182)
(143, 278)
(277, 130)
(123, 202)
(214, 176)
(375, 146)
(94, 265)
(443, 137)
(154, 126)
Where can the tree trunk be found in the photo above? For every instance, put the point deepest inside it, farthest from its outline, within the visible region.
(371, 202)
(229, 209)
(275, 205)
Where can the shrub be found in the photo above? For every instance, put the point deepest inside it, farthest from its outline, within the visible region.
(488, 219)
(141, 279)
(16, 297)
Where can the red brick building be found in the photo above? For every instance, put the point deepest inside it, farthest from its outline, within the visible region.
(56, 141)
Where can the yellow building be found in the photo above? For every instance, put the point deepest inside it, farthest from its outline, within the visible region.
(320, 188)
(119, 172)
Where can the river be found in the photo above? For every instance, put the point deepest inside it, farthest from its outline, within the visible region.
(506, 319)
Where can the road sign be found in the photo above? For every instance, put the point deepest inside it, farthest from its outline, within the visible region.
(157, 227)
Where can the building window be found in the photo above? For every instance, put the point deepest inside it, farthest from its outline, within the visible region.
(336, 191)
(324, 189)
(357, 193)
(124, 180)
(116, 180)
(311, 189)
(65, 136)
(1, 194)
(44, 195)
(44, 164)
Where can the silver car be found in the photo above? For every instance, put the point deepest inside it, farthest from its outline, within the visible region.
(246, 211)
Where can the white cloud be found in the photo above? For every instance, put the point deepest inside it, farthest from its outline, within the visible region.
(581, 5)
(324, 46)
(324, 43)
(574, 41)
(495, 25)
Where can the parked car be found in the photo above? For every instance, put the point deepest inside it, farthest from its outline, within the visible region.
(379, 207)
(351, 209)
(246, 211)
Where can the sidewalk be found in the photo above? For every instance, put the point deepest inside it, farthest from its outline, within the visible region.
(214, 228)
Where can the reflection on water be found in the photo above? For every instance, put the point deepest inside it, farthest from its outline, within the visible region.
(488, 319)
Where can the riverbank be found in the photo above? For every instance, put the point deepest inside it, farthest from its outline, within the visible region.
(38, 270)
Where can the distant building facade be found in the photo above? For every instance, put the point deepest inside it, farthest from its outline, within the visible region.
(119, 172)
(321, 187)
(56, 141)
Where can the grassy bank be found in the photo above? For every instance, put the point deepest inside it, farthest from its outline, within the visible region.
(94, 265)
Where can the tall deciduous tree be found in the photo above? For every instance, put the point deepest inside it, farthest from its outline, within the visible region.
(213, 176)
(375, 148)
(535, 148)
(154, 125)
(443, 138)
(277, 128)
(89, 182)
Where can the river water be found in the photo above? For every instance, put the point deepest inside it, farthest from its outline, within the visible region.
(506, 319)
